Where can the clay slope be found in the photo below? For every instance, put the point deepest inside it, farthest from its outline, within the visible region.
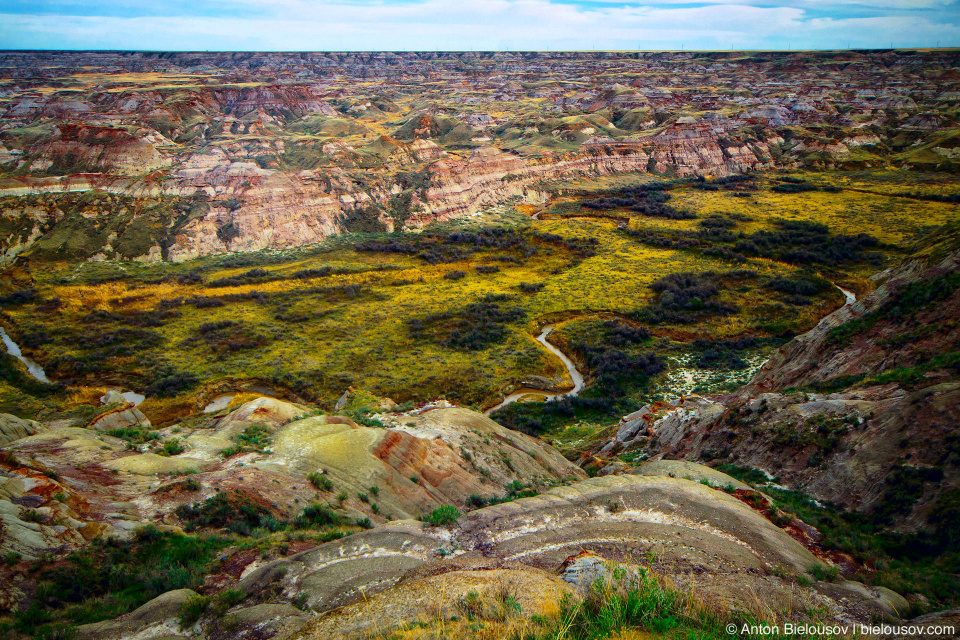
(268, 208)
(532, 552)
(860, 411)
(101, 486)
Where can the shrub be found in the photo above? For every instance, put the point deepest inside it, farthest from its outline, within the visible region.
(316, 515)
(717, 222)
(108, 578)
(32, 515)
(256, 436)
(320, 481)
(306, 274)
(724, 354)
(227, 336)
(22, 296)
(531, 287)
(300, 601)
(615, 370)
(482, 324)
(222, 511)
(253, 276)
(443, 515)
(191, 610)
(171, 384)
(795, 242)
(802, 286)
(173, 447)
(684, 298)
(475, 327)
(199, 302)
(620, 334)
(646, 202)
(823, 572)
(365, 220)
(227, 599)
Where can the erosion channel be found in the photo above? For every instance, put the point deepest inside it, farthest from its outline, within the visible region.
(575, 375)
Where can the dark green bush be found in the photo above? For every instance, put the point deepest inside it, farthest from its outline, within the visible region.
(442, 516)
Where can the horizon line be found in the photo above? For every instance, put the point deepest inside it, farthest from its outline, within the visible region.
(682, 50)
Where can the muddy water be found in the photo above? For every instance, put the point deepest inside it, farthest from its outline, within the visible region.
(37, 371)
(133, 397)
(33, 368)
(851, 297)
(218, 403)
(575, 375)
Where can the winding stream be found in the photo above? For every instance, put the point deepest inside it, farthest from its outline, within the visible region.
(37, 371)
(849, 298)
(221, 402)
(33, 368)
(575, 375)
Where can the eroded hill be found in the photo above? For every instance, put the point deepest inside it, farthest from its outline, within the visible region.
(213, 153)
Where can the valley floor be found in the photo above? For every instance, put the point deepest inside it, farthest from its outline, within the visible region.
(292, 455)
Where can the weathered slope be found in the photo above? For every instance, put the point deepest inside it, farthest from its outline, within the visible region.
(438, 457)
(252, 208)
(536, 551)
(872, 423)
(908, 318)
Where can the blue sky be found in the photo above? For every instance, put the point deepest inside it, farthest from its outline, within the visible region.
(337, 25)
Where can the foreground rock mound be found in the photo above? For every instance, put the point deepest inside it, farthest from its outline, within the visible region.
(264, 454)
(521, 559)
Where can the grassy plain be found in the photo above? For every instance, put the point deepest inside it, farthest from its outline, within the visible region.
(323, 318)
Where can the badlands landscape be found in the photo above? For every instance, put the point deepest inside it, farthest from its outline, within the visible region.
(479, 345)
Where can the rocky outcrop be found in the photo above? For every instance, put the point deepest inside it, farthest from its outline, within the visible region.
(242, 132)
(279, 210)
(13, 428)
(438, 457)
(532, 553)
(422, 460)
(121, 418)
(813, 357)
(254, 208)
(92, 148)
(155, 619)
(888, 424)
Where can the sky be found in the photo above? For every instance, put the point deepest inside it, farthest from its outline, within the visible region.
(481, 25)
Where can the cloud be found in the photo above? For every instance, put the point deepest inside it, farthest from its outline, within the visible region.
(478, 24)
(799, 4)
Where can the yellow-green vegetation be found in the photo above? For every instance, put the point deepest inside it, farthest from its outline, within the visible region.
(629, 603)
(892, 206)
(454, 311)
(111, 577)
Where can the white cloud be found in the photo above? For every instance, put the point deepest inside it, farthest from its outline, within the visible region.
(478, 24)
(880, 4)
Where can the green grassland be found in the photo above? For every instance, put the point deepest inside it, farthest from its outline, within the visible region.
(319, 319)
(870, 203)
